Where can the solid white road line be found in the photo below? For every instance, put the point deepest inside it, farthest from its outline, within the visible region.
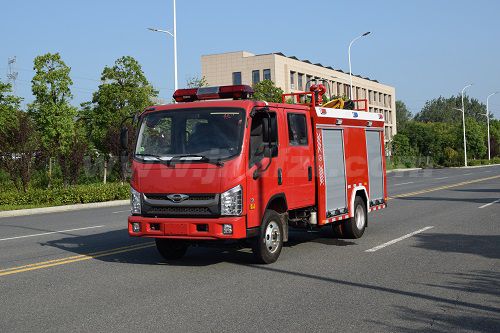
(441, 178)
(121, 211)
(467, 174)
(403, 183)
(52, 232)
(376, 248)
(489, 204)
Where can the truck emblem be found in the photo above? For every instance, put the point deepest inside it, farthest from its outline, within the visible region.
(177, 197)
(355, 114)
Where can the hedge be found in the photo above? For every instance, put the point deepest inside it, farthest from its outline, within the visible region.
(494, 160)
(57, 196)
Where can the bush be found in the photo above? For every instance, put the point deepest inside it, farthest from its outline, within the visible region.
(57, 196)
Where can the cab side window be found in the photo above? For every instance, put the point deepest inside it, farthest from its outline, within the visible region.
(297, 129)
(257, 135)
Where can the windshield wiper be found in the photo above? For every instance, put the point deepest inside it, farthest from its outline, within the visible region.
(196, 158)
(149, 155)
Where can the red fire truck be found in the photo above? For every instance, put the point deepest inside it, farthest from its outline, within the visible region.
(218, 166)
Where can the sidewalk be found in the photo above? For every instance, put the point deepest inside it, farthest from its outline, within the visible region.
(45, 210)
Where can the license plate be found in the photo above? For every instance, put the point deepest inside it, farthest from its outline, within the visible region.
(177, 229)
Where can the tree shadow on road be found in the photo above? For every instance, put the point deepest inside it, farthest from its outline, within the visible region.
(117, 246)
(484, 190)
(448, 317)
(487, 246)
(434, 198)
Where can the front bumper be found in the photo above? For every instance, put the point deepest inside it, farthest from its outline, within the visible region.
(188, 228)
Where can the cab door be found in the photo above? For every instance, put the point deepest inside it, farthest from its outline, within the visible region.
(299, 164)
(264, 174)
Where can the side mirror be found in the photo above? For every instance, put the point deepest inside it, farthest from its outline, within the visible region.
(124, 138)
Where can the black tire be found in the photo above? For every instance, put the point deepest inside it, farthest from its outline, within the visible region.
(338, 230)
(355, 226)
(267, 246)
(171, 249)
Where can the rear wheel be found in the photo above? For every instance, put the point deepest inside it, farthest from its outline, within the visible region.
(171, 249)
(267, 246)
(355, 226)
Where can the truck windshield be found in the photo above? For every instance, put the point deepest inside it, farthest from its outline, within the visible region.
(205, 134)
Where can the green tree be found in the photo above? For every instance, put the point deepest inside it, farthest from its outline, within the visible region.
(267, 91)
(51, 111)
(124, 92)
(476, 139)
(196, 82)
(403, 115)
(20, 143)
(72, 162)
(495, 137)
(402, 151)
(444, 109)
(9, 105)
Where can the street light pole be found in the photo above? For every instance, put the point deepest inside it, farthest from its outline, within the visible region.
(174, 35)
(175, 48)
(463, 121)
(488, 121)
(349, 55)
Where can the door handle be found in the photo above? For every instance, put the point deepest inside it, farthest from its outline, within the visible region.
(280, 176)
(310, 173)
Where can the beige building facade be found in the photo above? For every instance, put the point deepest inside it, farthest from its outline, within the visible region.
(294, 75)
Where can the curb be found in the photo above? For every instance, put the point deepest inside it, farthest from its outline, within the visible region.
(475, 166)
(403, 170)
(67, 208)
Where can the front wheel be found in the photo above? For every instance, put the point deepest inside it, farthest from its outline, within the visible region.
(267, 246)
(171, 249)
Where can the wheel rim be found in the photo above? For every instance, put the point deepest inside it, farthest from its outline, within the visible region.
(272, 237)
(360, 217)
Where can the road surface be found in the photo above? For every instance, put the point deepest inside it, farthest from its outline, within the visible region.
(430, 262)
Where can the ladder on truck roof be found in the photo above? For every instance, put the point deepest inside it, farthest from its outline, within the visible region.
(314, 100)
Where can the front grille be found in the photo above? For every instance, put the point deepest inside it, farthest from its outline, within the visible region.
(193, 211)
(194, 197)
(196, 205)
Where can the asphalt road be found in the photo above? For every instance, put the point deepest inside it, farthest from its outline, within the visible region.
(79, 271)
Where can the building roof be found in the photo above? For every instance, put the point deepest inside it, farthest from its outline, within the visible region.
(317, 64)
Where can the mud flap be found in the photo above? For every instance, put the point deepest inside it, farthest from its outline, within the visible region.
(284, 224)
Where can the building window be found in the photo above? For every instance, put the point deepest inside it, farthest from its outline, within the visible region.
(236, 78)
(308, 82)
(267, 74)
(297, 129)
(347, 91)
(292, 80)
(255, 77)
(300, 82)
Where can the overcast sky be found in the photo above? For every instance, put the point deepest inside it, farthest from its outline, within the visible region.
(425, 49)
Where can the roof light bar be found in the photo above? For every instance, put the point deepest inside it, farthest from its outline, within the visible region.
(207, 93)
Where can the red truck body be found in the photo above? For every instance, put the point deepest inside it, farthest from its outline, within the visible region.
(320, 160)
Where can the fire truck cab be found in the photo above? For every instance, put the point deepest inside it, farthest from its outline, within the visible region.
(208, 169)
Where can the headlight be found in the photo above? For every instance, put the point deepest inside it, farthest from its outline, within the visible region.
(135, 201)
(231, 201)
